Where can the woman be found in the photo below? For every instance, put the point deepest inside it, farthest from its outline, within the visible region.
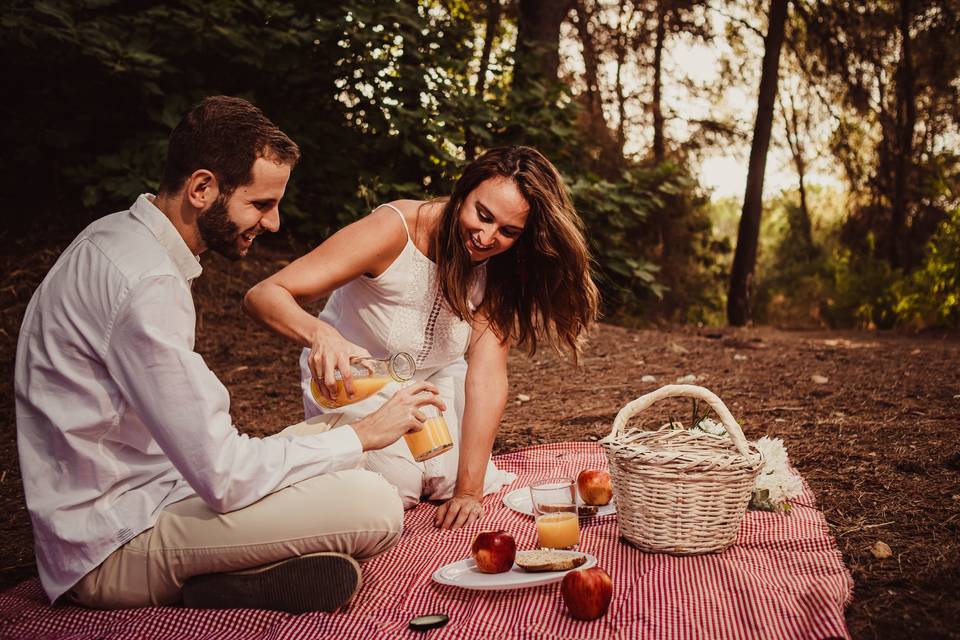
(455, 283)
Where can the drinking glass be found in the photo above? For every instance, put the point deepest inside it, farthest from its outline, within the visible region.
(433, 439)
(555, 511)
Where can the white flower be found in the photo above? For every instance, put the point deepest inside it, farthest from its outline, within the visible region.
(775, 484)
(711, 426)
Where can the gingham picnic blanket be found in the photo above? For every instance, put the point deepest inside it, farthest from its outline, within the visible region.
(784, 578)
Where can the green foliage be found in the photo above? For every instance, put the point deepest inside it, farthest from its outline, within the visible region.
(792, 270)
(930, 296)
(861, 290)
(380, 95)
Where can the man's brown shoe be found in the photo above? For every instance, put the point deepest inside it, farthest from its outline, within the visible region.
(316, 582)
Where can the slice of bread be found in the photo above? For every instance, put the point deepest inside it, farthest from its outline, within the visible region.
(537, 560)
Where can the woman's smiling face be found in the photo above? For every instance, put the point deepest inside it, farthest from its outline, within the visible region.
(492, 218)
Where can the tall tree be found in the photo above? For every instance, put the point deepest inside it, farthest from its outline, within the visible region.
(662, 21)
(892, 83)
(659, 149)
(537, 54)
(604, 150)
(794, 125)
(745, 257)
(905, 124)
(491, 24)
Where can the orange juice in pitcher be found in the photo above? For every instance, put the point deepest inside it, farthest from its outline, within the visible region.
(369, 376)
(362, 388)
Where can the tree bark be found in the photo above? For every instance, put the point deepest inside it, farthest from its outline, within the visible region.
(537, 54)
(791, 124)
(906, 123)
(494, 9)
(659, 151)
(745, 257)
(621, 53)
(591, 74)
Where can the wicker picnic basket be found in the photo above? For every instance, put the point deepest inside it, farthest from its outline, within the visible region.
(677, 492)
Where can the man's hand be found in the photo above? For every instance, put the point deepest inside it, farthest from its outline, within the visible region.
(397, 416)
(459, 511)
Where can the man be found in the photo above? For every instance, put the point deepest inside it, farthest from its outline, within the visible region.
(140, 489)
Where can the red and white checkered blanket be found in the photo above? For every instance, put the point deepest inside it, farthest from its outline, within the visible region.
(784, 578)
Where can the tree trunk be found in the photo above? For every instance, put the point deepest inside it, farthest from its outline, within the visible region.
(621, 52)
(791, 124)
(745, 257)
(494, 10)
(658, 145)
(906, 122)
(537, 54)
(591, 75)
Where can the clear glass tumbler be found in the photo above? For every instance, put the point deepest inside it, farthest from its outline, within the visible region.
(555, 510)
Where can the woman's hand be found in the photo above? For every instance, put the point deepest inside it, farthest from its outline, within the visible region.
(459, 511)
(330, 352)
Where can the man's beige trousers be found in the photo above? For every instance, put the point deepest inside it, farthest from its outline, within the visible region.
(354, 512)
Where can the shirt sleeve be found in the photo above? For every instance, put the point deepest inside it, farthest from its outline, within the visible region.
(187, 409)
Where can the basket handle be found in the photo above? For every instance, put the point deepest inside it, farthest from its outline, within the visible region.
(683, 390)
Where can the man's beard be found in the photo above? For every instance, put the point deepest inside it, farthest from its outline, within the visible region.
(218, 231)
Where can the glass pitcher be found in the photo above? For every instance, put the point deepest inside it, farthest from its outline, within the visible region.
(369, 376)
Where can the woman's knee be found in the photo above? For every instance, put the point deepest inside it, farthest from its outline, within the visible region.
(405, 476)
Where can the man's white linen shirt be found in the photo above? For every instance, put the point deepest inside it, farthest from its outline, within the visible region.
(117, 416)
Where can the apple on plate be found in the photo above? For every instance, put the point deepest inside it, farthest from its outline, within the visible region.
(595, 487)
(494, 551)
(587, 592)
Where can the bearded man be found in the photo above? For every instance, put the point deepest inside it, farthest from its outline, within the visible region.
(140, 489)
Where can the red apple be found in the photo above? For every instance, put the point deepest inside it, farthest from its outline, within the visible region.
(494, 551)
(587, 592)
(595, 487)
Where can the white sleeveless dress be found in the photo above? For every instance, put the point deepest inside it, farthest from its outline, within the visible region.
(403, 309)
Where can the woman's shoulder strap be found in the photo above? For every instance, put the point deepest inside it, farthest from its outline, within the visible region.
(403, 219)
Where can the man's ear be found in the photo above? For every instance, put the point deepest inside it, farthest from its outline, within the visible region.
(202, 189)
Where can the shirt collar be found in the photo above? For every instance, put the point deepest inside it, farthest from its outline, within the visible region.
(160, 226)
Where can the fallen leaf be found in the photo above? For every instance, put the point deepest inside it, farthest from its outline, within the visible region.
(648, 378)
(676, 348)
(522, 397)
(818, 379)
(881, 550)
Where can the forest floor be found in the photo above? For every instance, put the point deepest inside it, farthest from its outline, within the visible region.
(877, 441)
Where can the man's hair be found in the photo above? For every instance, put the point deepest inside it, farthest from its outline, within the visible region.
(224, 135)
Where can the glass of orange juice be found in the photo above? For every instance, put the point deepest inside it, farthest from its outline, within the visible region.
(369, 376)
(433, 439)
(555, 510)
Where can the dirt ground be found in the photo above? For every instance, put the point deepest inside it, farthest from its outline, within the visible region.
(877, 441)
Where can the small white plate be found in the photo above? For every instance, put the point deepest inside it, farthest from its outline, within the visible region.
(519, 500)
(465, 574)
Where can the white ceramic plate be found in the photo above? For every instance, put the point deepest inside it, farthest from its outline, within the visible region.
(465, 574)
(519, 500)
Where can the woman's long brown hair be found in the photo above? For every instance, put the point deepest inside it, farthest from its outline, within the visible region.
(540, 289)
